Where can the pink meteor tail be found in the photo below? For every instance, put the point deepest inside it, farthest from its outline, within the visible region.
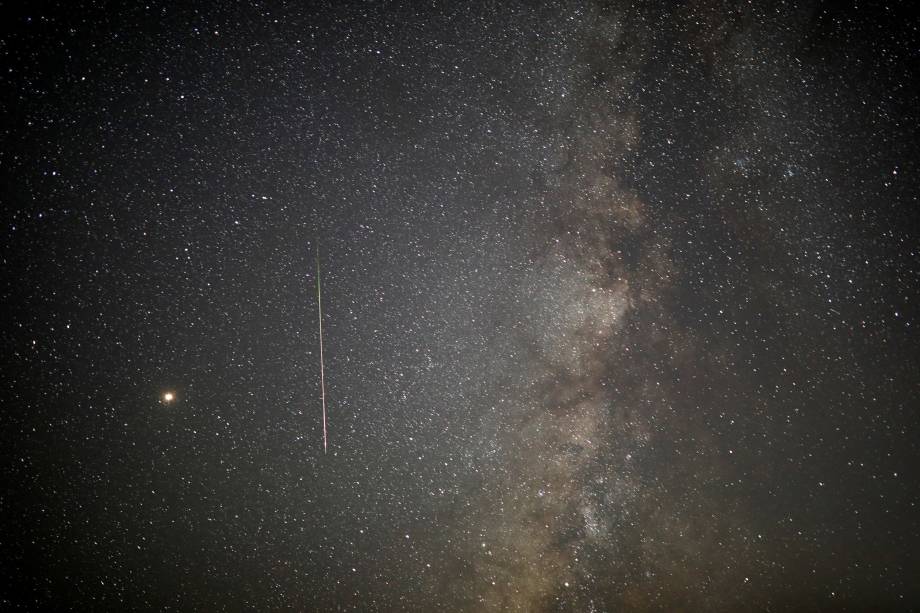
(322, 374)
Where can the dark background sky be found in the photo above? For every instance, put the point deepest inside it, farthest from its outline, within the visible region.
(620, 306)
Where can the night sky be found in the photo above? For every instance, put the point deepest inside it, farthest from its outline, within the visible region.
(620, 306)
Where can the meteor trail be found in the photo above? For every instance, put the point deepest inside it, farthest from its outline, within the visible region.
(322, 376)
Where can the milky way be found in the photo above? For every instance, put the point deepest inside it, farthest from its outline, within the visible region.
(619, 307)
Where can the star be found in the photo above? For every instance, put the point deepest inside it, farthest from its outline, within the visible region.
(168, 397)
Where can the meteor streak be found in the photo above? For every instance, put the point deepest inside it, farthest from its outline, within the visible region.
(322, 376)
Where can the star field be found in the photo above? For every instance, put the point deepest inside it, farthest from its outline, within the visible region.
(619, 306)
